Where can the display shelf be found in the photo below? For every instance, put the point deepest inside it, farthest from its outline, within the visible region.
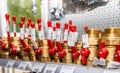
(53, 67)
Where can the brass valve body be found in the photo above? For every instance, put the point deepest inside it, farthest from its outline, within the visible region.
(68, 56)
(111, 36)
(93, 53)
(16, 42)
(45, 57)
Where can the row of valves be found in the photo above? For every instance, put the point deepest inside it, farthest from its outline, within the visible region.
(95, 43)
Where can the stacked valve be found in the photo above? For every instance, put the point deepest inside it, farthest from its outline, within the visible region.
(110, 38)
(57, 48)
(93, 40)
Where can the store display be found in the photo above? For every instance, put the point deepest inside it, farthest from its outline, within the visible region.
(96, 48)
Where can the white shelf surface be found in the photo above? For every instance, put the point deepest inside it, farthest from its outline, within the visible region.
(78, 68)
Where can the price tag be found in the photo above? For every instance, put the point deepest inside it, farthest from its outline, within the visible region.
(76, 36)
(113, 64)
(34, 44)
(49, 35)
(14, 28)
(27, 32)
(33, 34)
(102, 62)
(50, 68)
(71, 39)
(54, 35)
(67, 69)
(40, 35)
(7, 28)
(38, 67)
(65, 35)
(85, 40)
(22, 65)
(21, 33)
(58, 35)
(10, 63)
(96, 61)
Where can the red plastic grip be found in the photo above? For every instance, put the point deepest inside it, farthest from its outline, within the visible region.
(58, 25)
(14, 19)
(23, 18)
(49, 23)
(7, 16)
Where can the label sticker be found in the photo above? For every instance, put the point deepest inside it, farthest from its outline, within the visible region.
(14, 28)
(85, 40)
(49, 33)
(54, 35)
(10, 63)
(96, 61)
(65, 38)
(76, 36)
(21, 33)
(38, 67)
(71, 39)
(40, 35)
(33, 34)
(58, 35)
(50, 68)
(102, 62)
(113, 64)
(67, 69)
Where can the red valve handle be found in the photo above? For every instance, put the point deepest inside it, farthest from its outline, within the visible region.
(72, 28)
(84, 53)
(32, 25)
(52, 49)
(49, 23)
(13, 48)
(2, 45)
(38, 51)
(117, 47)
(39, 27)
(39, 20)
(66, 26)
(85, 28)
(28, 24)
(61, 51)
(21, 24)
(117, 54)
(54, 28)
(29, 20)
(23, 18)
(7, 16)
(25, 46)
(75, 54)
(58, 25)
(14, 19)
(102, 53)
(102, 44)
(70, 22)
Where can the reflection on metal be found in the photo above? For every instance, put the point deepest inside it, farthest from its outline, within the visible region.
(57, 14)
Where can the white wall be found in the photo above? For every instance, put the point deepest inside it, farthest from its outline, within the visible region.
(3, 11)
(101, 17)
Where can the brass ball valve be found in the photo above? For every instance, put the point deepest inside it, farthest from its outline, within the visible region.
(102, 52)
(52, 49)
(84, 53)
